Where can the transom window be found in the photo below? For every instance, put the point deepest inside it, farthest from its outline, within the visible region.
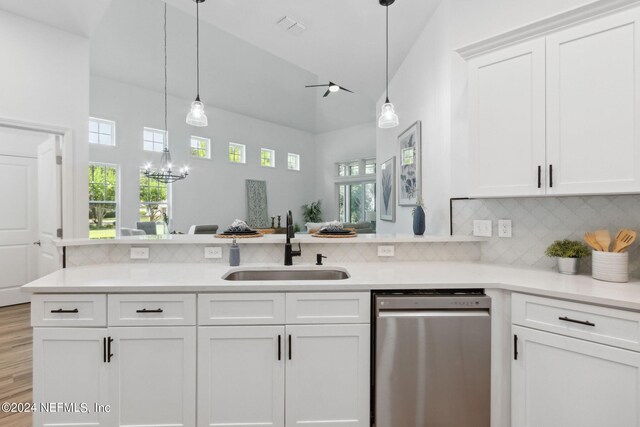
(102, 132)
(154, 139)
(237, 153)
(349, 168)
(369, 166)
(267, 158)
(103, 183)
(293, 161)
(200, 147)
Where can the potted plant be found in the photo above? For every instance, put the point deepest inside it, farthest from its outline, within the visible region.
(312, 212)
(568, 253)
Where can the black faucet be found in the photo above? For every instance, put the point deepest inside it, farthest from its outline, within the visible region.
(288, 252)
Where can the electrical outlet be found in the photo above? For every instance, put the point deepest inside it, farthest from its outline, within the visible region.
(213, 252)
(388, 250)
(482, 228)
(504, 228)
(139, 253)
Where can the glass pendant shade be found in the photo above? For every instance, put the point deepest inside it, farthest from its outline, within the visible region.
(197, 116)
(388, 117)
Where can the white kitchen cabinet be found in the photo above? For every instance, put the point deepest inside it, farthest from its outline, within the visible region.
(593, 106)
(558, 381)
(507, 125)
(560, 114)
(153, 376)
(241, 376)
(327, 375)
(69, 367)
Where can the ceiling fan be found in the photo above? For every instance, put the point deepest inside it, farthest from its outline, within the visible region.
(332, 87)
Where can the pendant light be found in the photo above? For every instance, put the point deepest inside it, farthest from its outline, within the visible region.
(196, 116)
(165, 173)
(388, 117)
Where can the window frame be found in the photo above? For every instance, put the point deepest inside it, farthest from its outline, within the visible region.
(243, 153)
(363, 211)
(297, 157)
(153, 142)
(112, 135)
(272, 156)
(207, 149)
(117, 191)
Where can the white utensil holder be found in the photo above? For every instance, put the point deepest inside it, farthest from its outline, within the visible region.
(610, 266)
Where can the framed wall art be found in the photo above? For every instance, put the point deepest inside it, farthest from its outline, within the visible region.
(409, 174)
(388, 190)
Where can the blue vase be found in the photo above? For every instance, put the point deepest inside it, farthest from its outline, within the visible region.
(418, 221)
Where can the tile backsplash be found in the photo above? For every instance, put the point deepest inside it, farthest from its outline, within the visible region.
(538, 221)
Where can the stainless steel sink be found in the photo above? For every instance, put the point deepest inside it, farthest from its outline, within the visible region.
(260, 275)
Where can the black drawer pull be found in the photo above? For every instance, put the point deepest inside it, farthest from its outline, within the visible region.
(551, 176)
(515, 347)
(581, 322)
(539, 176)
(109, 354)
(289, 347)
(104, 349)
(144, 310)
(279, 347)
(60, 310)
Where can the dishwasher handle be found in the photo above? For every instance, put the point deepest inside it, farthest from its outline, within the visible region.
(433, 313)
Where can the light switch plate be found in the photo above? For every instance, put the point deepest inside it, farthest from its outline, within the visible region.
(387, 250)
(504, 228)
(139, 253)
(213, 252)
(482, 228)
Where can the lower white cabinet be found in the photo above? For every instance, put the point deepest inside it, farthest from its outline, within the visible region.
(558, 381)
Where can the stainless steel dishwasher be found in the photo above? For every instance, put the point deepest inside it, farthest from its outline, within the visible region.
(432, 359)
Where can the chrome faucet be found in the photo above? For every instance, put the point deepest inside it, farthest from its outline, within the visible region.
(288, 252)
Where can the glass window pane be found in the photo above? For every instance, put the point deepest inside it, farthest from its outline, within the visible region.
(93, 138)
(370, 201)
(355, 203)
(148, 146)
(148, 136)
(105, 139)
(341, 203)
(104, 128)
(93, 126)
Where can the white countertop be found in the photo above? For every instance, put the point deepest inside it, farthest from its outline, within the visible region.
(181, 239)
(140, 278)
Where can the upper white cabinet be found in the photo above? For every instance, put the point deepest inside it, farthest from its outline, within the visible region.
(560, 114)
(507, 121)
(593, 114)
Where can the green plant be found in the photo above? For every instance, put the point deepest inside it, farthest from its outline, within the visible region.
(567, 249)
(296, 228)
(312, 212)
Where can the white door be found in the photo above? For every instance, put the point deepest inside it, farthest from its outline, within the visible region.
(49, 206)
(593, 107)
(241, 376)
(559, 381)
(69, 367)
(327, 381)
(153, 376)
(507, 135)
(18, 227)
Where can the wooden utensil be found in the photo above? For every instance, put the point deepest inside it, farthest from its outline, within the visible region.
(590, 238)
(624, 239)
(604, 239)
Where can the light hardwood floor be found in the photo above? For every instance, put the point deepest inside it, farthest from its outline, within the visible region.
(15, 362)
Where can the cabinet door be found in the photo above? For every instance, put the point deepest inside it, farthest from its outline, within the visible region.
(593, 107)
(327, 375)
(153, 376)
(507, 134)
(559, 381)
(241, 376)
(69, 367)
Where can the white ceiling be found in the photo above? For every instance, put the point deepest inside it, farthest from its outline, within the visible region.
(74, 16)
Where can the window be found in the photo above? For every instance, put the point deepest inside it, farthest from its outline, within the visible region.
(357, 202)
(200, 147)
(369, 166)
(154, 139)
(236, 153)
(349, 168)
(267, 158)
(293, 161)
(103, 208)
(102, 132)
(154, 200)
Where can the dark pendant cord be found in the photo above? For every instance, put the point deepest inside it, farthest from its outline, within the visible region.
(387, 7)
(166, 129)
(198, 49)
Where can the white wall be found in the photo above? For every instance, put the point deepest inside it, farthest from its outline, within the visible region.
(431, 85)
(44, 80)
(214, 192)
(352, 143)
(17, 142)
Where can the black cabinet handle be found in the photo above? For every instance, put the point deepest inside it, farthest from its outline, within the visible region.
(581, 322)
(551, 176)
(279, 347)
(144, 310)
(539, 176)
(104, 350)
(515, 347)
(109, 354)
(60, 310)
(289, 346)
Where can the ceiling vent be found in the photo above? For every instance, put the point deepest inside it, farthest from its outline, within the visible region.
(291, 26)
